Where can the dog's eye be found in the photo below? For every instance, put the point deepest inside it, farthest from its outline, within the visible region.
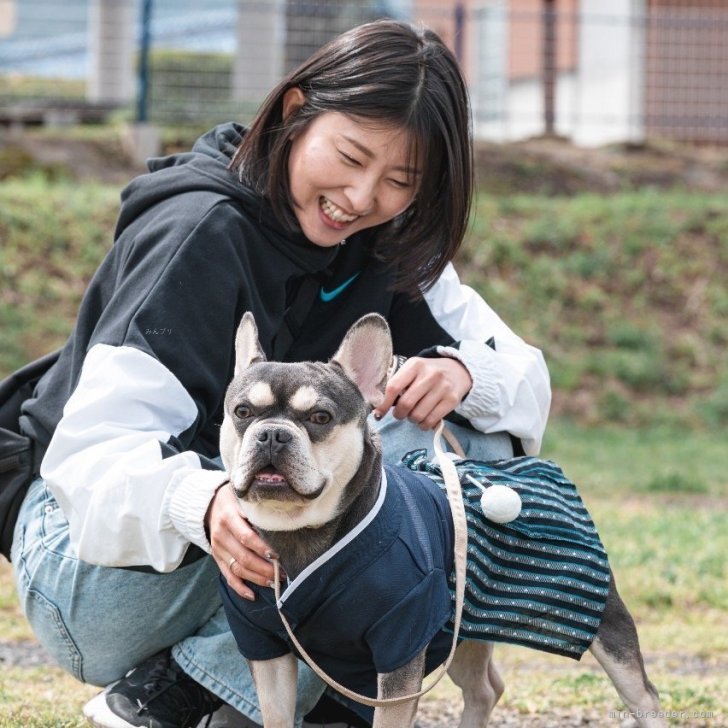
(242, 411)
(320, 418)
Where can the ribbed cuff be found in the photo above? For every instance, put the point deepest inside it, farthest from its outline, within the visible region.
(477, 358)
(190, 501)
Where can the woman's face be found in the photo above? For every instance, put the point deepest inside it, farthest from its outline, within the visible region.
(347, 174)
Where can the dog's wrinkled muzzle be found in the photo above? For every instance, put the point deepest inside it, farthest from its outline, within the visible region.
(274, 466)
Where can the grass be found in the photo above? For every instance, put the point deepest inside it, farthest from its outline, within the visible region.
(41, 697)
(170, 100)
(624, 293)
(54, 234)
(667, 549)
(615, 461)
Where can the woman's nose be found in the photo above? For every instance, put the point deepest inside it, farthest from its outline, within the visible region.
(362, 196)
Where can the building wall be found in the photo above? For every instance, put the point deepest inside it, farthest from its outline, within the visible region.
(526, 37)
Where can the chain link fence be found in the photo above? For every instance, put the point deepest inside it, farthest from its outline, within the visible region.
(593, 71)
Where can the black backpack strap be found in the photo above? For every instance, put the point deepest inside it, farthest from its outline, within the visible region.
(20, 456)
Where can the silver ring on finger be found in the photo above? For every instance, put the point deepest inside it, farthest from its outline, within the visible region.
(232, 561)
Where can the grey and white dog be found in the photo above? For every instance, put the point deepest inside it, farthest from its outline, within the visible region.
(306, 470)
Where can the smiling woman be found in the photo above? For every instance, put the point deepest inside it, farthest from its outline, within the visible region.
(406, 129)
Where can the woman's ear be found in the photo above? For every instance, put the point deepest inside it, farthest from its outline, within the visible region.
(293, 100)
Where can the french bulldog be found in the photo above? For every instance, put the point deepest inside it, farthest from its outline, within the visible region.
(307, 471)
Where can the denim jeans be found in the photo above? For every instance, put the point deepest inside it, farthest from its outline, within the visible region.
(99, 622)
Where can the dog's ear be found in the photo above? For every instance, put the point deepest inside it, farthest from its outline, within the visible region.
(247, 347)
(365, 355)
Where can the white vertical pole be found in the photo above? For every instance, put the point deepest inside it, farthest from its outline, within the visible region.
(607, 85)
(8, 17)
(112, 40)
(259, 58)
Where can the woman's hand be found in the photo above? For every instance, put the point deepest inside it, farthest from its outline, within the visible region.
(232, 537)
(426, 390)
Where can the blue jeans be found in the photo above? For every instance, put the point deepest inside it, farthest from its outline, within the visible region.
(99, 622)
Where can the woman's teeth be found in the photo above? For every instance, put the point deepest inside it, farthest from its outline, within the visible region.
(336, 213)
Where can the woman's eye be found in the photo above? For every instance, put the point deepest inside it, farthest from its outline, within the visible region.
(242, 411)
(349, 160)
(320, 418)
(400, 184)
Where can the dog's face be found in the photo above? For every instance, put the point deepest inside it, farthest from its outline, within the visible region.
(293, 434)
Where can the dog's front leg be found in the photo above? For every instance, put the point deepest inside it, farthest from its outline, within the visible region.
(404, 681)
(275, 683)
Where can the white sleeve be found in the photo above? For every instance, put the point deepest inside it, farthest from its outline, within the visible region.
(126, 503)
(511, 387)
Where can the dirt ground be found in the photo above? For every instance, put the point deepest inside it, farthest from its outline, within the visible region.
(439, 712)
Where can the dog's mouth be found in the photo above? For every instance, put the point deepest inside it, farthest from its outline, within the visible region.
(269, 483)
(269, 477)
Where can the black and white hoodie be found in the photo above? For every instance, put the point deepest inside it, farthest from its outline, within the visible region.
(131, 412)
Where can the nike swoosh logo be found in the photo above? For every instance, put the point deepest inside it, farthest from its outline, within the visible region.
(327, 296)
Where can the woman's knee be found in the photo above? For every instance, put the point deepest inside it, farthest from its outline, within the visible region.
(99, 622)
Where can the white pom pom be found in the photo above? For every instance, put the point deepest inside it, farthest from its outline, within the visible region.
(500, 504)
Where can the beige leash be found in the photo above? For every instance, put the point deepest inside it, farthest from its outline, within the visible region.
(452, 484)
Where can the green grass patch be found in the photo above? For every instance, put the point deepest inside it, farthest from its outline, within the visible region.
(54, 236)
(17, 87)
(624, 293)
(618, 462)
(41, 697)
(676, 483)
(656, 568)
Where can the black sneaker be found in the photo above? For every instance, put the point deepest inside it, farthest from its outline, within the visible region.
(157, 694)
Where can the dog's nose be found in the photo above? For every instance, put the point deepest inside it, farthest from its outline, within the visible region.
(274, 437)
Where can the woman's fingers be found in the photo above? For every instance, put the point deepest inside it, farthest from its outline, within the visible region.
(426, 390)
(240, 553)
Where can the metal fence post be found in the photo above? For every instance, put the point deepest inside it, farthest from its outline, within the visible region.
(144, 44)
(459, 32)
(549, 66)
(142, 138)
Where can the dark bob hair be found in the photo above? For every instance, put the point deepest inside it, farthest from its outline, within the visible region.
(384, 71)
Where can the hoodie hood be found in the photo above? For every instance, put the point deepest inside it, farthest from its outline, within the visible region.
(206, 168)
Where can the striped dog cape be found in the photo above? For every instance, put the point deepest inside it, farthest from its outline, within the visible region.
(541, 580)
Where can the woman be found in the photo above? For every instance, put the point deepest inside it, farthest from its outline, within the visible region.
(349, 193)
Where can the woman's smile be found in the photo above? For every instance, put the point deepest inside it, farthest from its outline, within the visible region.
(334, 215)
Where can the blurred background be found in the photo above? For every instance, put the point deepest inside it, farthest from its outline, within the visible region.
(594, 71)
